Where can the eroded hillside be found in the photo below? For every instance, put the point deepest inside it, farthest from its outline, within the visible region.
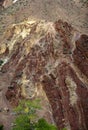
(43, 58)
(52, 56)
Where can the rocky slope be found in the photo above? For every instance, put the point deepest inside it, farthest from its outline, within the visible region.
(43, 58)
(73, 11)
(49, 56)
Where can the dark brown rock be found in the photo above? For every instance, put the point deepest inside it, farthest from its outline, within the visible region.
(81, 54)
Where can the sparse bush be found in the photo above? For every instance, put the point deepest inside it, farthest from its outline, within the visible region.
(42, 124)
(27, 119)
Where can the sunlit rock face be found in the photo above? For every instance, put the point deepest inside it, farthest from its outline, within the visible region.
(52, 57)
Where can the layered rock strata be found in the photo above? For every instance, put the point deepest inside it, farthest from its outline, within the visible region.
(52, 56)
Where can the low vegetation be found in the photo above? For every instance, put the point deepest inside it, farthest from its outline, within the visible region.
(26, 118)
(1, 127)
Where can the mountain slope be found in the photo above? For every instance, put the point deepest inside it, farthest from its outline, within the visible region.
(52, 56)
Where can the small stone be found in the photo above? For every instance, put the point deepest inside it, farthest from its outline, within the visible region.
(6, 109)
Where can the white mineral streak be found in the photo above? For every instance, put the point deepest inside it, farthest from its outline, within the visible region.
(72, 90)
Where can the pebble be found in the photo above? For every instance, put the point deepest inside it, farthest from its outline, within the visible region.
(6, 109)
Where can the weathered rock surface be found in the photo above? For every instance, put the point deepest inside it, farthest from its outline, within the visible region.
(5, 3)
(52, 56)
(74, 12)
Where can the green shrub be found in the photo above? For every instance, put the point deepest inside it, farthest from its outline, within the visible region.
(1, 127)
(26, 118)
(42, 124)
(64, 129)
(22, 122)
